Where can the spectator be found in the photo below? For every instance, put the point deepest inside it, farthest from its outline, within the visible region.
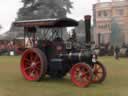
(116, 53)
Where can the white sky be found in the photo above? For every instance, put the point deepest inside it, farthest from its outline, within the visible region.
(9, 9)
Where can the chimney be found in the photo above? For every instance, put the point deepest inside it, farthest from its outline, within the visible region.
(88, 30)
(98, 1)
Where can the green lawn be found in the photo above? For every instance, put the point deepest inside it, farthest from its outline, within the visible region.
(13, 84)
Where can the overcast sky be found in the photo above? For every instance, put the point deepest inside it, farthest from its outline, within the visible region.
(9, 9)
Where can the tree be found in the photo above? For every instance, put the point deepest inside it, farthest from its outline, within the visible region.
(43, 9)
(0, 27)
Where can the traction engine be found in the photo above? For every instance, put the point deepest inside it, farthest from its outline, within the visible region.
(55, 58)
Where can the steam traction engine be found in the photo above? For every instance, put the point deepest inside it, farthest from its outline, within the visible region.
(50, 55)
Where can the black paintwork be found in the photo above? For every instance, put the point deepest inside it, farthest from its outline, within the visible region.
(60, 22)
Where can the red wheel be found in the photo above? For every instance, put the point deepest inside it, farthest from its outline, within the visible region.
(81, 75)
(99, 72)
(33, 64)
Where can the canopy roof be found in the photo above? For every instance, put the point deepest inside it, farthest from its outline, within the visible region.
(62, 22)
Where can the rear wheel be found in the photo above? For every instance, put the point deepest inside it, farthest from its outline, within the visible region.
(81, 75)
(99, 73)
(33, 64)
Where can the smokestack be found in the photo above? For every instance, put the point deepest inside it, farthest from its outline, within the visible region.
(87, 30)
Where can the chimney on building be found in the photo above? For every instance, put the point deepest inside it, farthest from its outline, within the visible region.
(98, 1)
(116, 0)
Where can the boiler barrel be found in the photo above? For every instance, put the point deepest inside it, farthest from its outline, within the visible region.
(77, 57)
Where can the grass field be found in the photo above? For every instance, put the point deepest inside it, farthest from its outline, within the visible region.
(13, 84)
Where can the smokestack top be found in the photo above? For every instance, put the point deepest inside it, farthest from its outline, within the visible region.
(87, 17)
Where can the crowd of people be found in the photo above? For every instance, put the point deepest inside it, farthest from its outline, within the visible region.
(115, 51)
(7, 46)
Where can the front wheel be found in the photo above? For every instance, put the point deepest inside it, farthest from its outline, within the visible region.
(99, 72)
(81, 74)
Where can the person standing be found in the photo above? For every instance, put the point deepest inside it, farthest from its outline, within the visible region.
(116, 53)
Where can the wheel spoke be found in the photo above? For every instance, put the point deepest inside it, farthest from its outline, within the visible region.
(38, 63)
(100, 72)
(26, 63)
(98, 68)
(98, 77)
(32, 74)
(78, 69)
(27, 68)
(86, 78)
(27, 60)
(37, 68)
(37, 73)
(32, 56)
(85, 72)
(94, 67)
(36, 58)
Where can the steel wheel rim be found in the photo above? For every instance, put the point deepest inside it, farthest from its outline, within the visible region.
(31, 65)
(81, 75)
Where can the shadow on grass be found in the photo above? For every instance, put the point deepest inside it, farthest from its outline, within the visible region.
(66, 81)
(56, 80)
